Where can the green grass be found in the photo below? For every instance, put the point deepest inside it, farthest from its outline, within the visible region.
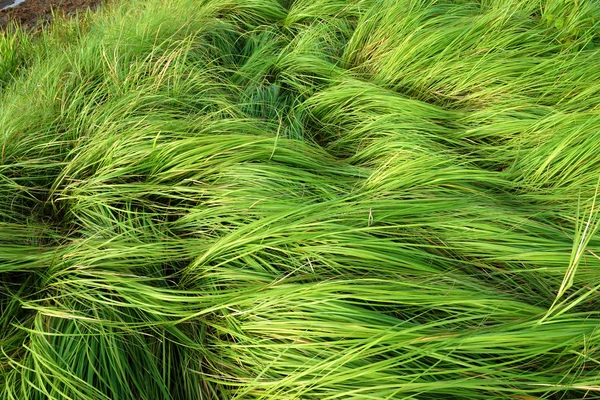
(310, 199)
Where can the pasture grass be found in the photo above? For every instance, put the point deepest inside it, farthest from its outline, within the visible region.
(309, 199)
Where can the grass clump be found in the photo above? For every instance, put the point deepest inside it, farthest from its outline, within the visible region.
(302, 200)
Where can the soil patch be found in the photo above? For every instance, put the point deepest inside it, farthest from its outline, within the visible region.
(34, 12)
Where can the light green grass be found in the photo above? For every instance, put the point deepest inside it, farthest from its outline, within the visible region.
(311, 199)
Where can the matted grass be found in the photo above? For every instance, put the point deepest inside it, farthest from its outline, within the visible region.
(311, 199)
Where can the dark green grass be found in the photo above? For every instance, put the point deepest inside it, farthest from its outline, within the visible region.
(311, 199)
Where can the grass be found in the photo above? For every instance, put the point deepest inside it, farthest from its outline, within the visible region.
(324, 199)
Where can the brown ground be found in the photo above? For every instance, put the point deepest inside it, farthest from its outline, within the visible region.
(34, 12)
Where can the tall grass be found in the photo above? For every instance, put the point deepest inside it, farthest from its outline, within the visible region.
(324, 199)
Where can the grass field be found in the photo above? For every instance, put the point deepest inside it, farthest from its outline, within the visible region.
(309, 199)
